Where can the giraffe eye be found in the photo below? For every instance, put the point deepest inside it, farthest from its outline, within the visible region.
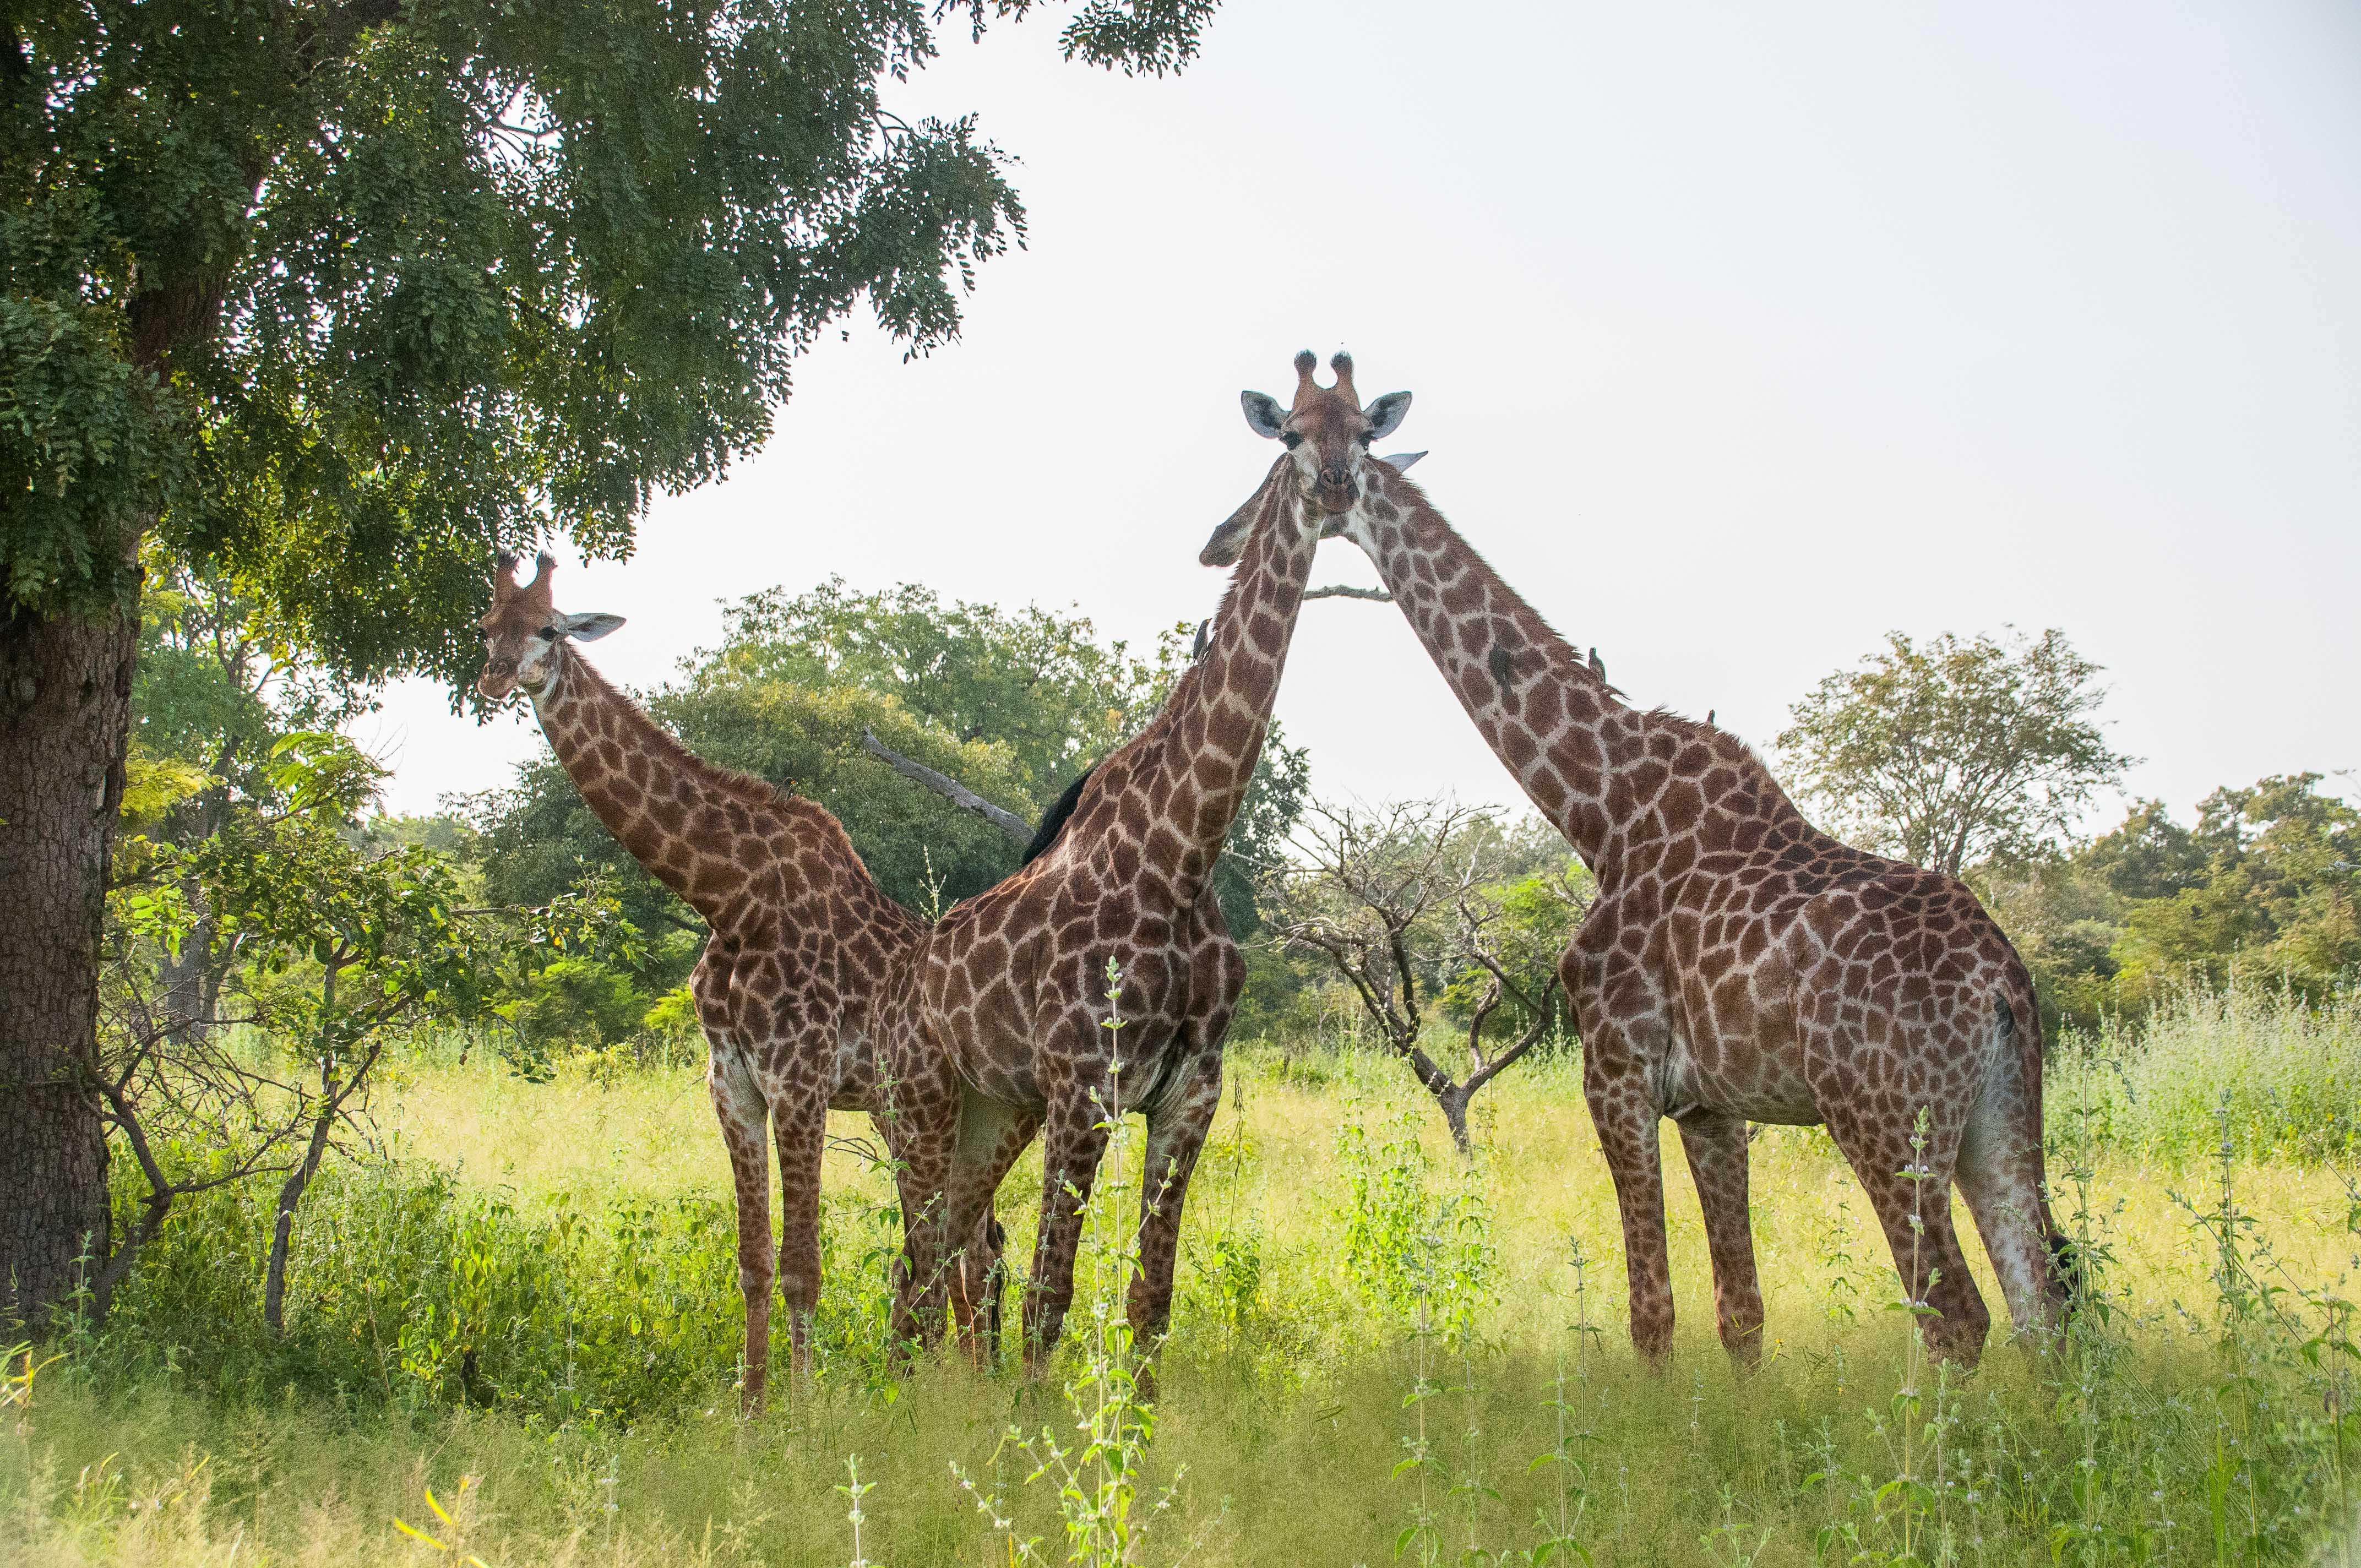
(1292, 439)
(547, 634)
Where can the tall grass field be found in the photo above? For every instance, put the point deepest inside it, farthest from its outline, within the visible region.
(512, 1339)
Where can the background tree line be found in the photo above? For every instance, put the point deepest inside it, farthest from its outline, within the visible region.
(1985, 757)
(270, 937)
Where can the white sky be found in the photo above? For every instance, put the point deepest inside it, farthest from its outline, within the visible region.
(1739, 335)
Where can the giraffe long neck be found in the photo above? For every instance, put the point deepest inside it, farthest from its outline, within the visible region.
(1547, 717)
(644, 785)
(1214, 723)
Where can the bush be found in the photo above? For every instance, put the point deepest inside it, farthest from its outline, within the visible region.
(575, 1004)
(2248, 1062)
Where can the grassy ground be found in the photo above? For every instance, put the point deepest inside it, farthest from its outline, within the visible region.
(537, 1295)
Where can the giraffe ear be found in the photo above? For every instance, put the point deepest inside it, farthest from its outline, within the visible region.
(1229, 541)
(588, 627)
(1385, 415)
(1400, 461)
(1264, 416)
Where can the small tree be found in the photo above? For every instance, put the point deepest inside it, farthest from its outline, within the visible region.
(1953, 753)
(283, 921)
(1412, 903)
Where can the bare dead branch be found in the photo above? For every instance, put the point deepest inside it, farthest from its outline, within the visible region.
(950, 789)
(1339, 591)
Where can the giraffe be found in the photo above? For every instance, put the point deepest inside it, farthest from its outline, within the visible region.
(806, 949)
(1739, 965)
(1013, 981)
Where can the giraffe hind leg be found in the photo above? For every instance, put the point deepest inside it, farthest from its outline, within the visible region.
(2001, 1176)
(990, 1135)
(1716, 1147)
(1910, 1189)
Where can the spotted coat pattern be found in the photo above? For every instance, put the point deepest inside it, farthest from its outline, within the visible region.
(1012, 988)
(1739, 965)
(806, 955)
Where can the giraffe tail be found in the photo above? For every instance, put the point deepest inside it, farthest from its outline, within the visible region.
(2068, 1269)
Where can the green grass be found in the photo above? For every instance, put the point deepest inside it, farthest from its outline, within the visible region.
(539, 1294)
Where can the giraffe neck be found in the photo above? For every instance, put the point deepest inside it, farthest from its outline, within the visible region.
(1212, 729)
(644, 784)
(1547, 717)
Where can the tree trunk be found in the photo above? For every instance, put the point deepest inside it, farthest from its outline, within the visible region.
(65, 708)
(274, 1284)
(1454, 1101)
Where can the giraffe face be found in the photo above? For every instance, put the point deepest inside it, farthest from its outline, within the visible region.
(1327, 435)
(520, 632)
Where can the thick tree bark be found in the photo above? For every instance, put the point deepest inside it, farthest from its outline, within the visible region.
(65, 705)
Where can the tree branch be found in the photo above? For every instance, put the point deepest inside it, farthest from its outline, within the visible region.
(950, 789)
(1339, 591)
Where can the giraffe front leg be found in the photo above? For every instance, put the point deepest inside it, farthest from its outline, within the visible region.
(801, 1131)
(1626, 1118)
(1716, 1147)
(1073, 1140)
(738, 1105)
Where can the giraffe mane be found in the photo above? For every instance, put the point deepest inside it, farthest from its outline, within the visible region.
(1053, 824)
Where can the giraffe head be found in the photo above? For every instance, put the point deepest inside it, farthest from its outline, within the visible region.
(522, 629)
(1327, 433)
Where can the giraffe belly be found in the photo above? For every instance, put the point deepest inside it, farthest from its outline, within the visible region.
(1735, 1079)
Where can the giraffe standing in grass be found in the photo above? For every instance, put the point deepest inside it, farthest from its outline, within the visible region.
(804, 950)
(1739, 965)
(1012, 984)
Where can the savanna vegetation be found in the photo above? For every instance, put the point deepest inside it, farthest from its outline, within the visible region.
(361, 1203)
(526, 1307)
(457, 1220)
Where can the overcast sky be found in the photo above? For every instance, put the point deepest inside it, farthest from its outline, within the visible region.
(1738, 335)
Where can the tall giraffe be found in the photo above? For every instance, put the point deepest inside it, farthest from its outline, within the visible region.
(805, 955)
(1013, 982)
(1739, 965)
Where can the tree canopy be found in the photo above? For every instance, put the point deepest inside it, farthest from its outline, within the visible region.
(1948, 754)
(2267, 884)
(1037, 682)
(340, 295)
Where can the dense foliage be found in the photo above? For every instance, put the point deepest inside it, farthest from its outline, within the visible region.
(340, 295)
(1948, 754)
(2267, 884)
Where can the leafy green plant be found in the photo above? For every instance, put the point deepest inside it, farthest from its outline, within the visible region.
(1098, 1476)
